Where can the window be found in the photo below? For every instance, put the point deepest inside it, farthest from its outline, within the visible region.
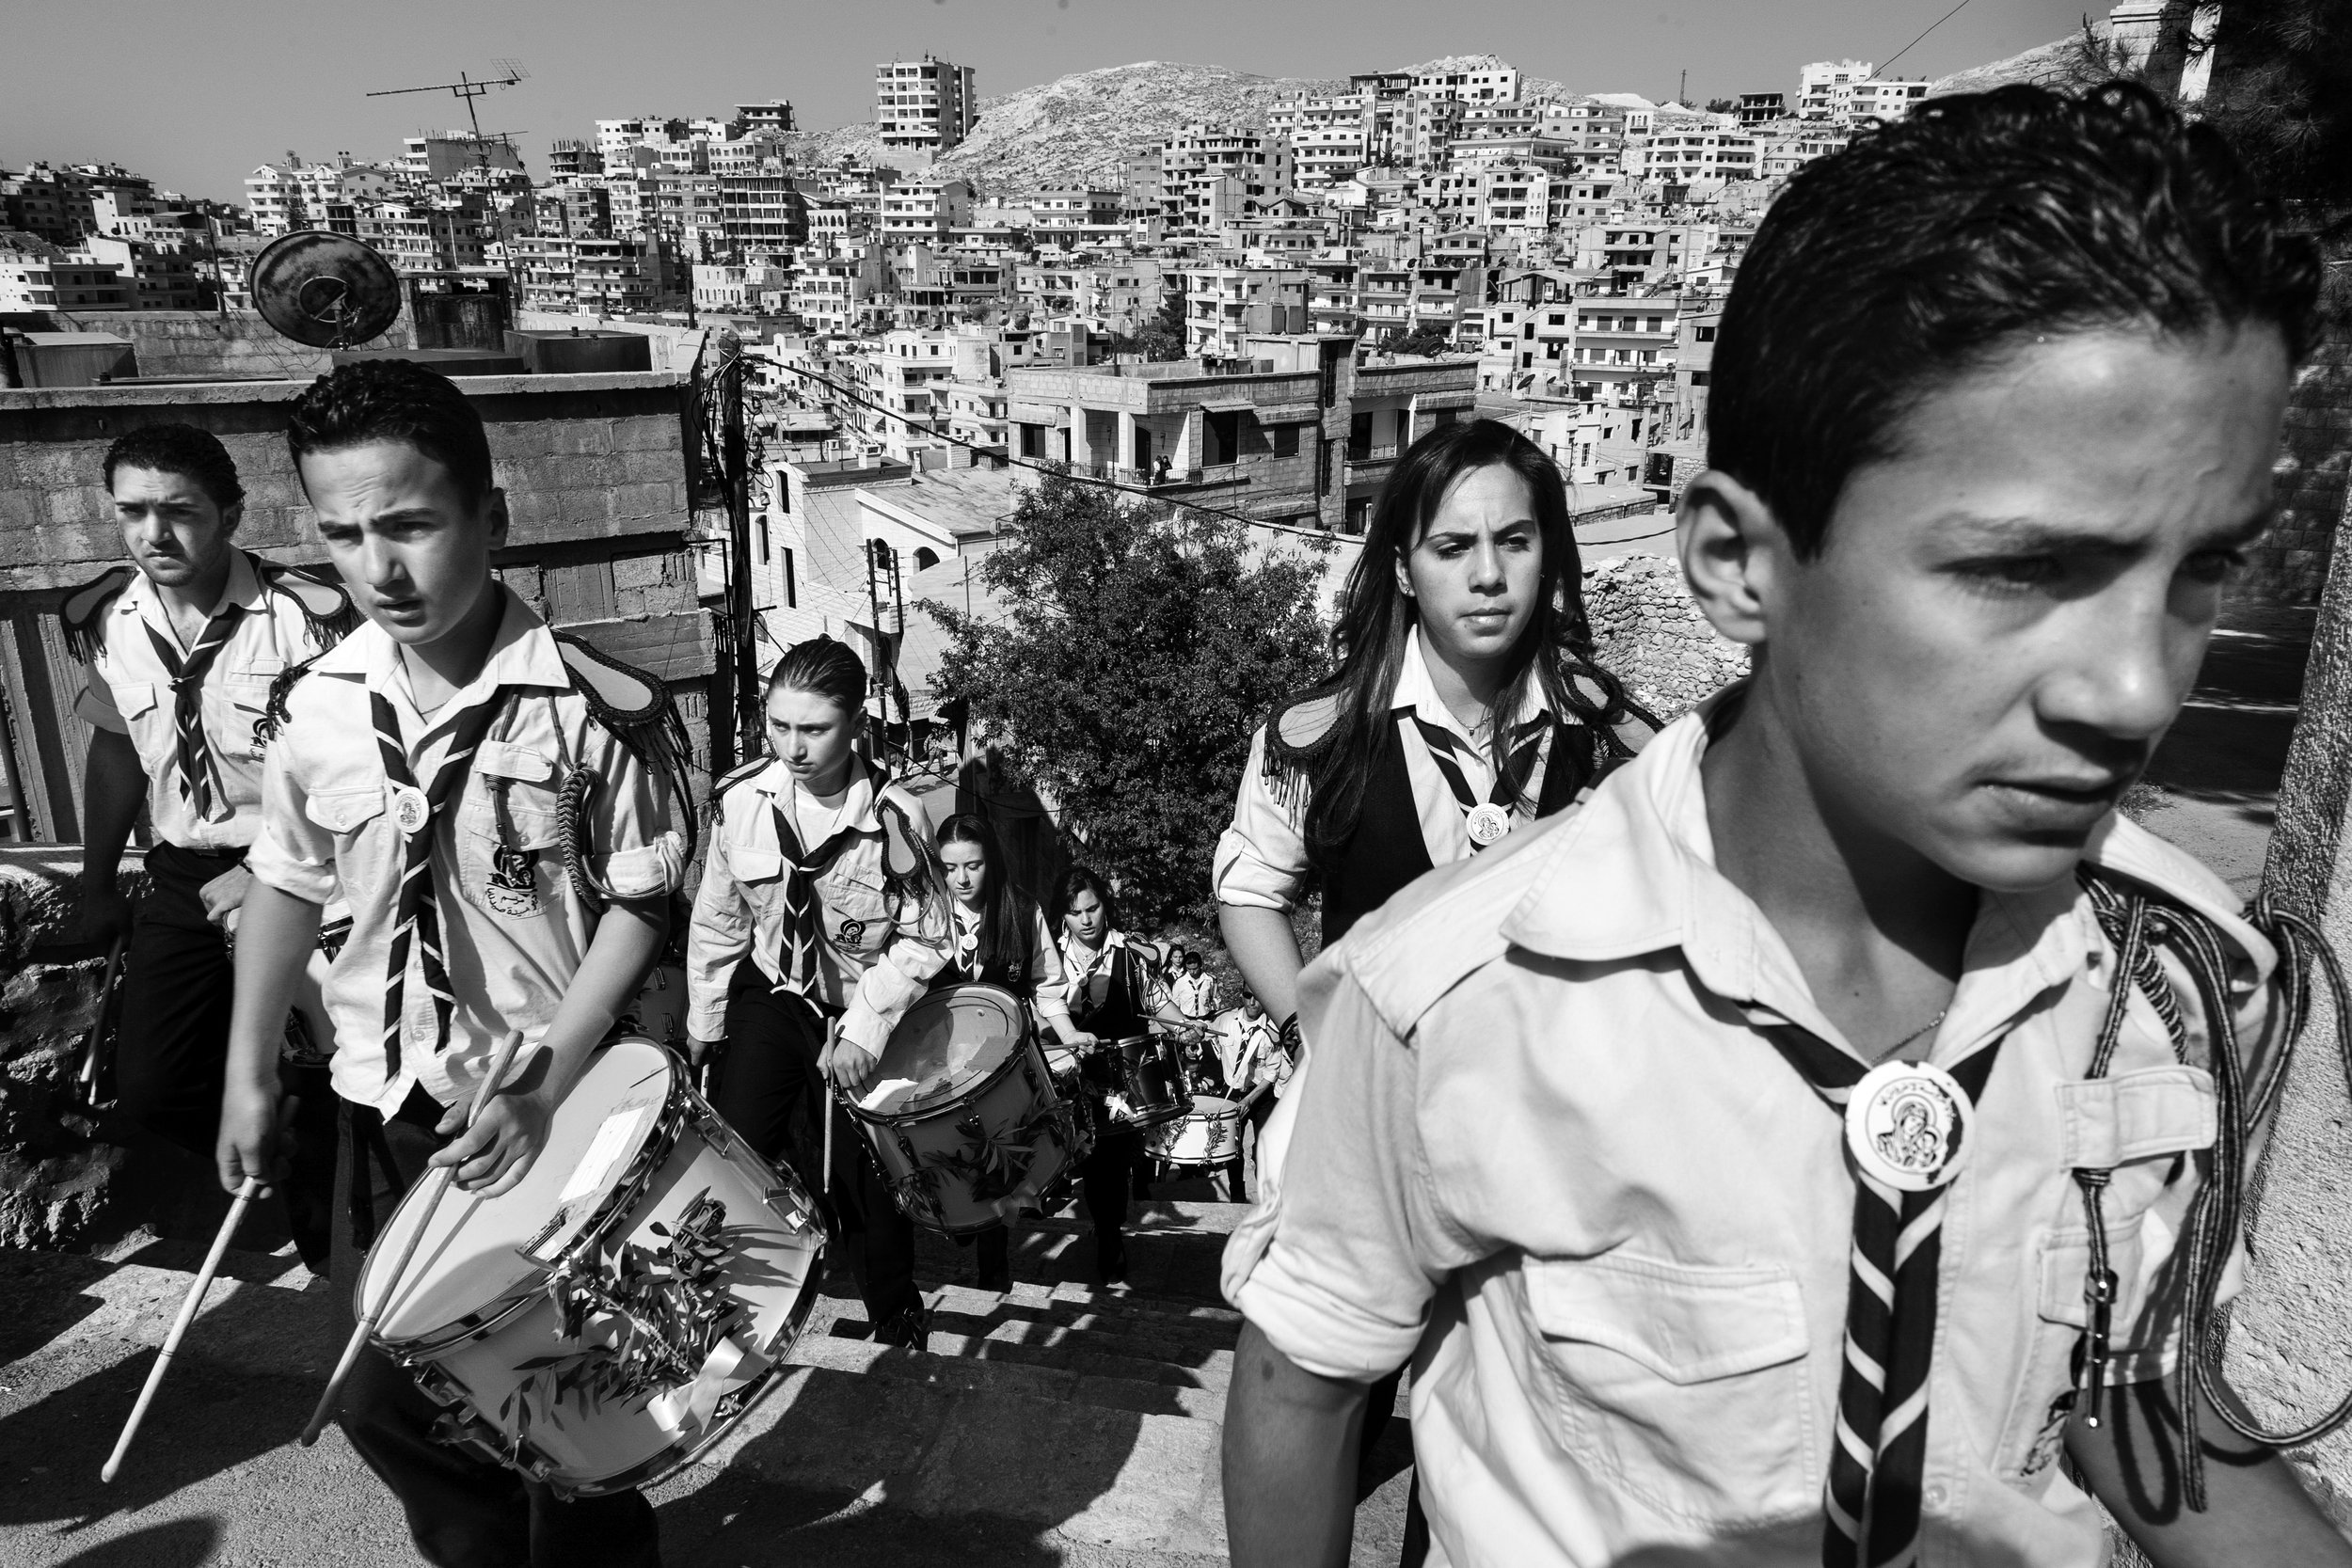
(1698, 378)
(791, 586)
(1702, 334)
(1285, 439)
(763, 540)
(1657, 324)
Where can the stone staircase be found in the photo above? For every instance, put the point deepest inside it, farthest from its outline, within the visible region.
(1050, 1423)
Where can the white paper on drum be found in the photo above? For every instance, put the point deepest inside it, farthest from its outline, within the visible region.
(615, 1139)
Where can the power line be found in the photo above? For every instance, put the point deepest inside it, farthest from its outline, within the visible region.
(1932, 27)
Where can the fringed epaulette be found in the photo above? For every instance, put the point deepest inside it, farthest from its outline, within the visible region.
(909, 865)
(636, 707)
(326, 609)
(281, 687)
(716, 808)
(1295, 734)
(82, 607)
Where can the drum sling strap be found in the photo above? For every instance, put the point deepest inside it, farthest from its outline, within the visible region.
(417, 918)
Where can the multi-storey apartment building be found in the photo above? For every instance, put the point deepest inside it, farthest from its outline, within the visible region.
(925, 210)
(1678, 154)
(1859, 102)
(923, 107)
(1325, 134)
(1224, 306)
(1481, 84)
(1194, 160)
(1818, 86)
(829, 290)
(38, 275)
(1777, 156)
(161, 278)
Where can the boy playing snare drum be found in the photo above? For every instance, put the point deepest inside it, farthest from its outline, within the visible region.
(420, 763)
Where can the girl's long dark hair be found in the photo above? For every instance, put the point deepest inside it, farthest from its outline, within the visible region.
(1553, 656)
(1007, 919)
(1077, 880)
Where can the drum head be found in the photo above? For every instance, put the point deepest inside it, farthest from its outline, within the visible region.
(474, 1254)
(1206, 1105)
(949, 1042)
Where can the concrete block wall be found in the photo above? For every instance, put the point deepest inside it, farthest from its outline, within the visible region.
(1648, 633)
(2288, 567)
(210, 343)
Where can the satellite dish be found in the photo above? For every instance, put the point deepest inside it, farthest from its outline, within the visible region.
(325, 290)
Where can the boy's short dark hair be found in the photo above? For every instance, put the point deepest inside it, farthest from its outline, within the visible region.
(1933, 245)
(178, 448)
(393, 399)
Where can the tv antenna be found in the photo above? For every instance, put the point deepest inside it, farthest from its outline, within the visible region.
(469, 88)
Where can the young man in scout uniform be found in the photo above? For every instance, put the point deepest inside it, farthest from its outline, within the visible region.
(179, 648)
(1823, 1146)
(422, 764)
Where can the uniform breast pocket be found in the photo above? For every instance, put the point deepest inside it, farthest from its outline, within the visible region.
(2145, 1129)
(510, 839)
(1685, 1383)
(237, 711)
(856, 910)
(354, 813)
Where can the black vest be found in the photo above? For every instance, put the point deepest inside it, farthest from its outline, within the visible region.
(1122, 1013)
(1386, 851)
(1008, 967)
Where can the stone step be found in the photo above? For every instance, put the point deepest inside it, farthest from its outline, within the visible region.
(961, 1361)
(951, 1438)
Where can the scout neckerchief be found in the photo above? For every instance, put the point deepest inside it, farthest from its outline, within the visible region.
(803, 931)
(1485, 820)
(191, 755)
(414, 812)
(1908, 1127)
(1077, 973)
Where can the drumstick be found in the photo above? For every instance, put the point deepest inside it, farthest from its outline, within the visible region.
(447, 1174)
(179, 1327)
(92, 1070)
(824, 1071)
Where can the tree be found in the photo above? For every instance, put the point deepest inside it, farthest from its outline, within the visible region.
(1721, 105)
(1141, 649)
(1162, 337)
(1421, 339)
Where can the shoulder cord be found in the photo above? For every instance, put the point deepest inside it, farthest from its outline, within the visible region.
(2137, 923)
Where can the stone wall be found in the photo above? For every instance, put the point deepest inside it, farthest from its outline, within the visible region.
(1648, 633)
(57, 1167)
(2287, 567)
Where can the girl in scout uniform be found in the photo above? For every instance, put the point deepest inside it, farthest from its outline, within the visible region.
(819, 921)
(1466, 702)
(1001, 939)
(1111, 983)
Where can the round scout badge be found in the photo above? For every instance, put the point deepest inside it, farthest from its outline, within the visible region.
(1908, 1124)
(1487, 824)
(410, 810)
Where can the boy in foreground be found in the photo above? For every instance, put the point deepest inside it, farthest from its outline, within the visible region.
(419, 764)
(1772, 1163)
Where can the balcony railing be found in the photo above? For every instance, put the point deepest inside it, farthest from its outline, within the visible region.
(1369, 454)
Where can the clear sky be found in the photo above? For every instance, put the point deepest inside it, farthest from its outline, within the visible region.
(196, 92)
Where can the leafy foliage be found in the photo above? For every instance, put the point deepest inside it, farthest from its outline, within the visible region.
(1421, 339)
(1138, 653)
(1162, 337)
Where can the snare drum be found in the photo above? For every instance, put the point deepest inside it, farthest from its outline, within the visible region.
(610, 1318)
(1208, 1135)
(1140, 1084)
(962, 1113)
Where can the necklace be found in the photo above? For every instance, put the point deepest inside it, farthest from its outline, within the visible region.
(1916, 1032)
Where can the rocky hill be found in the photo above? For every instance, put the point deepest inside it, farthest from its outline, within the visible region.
(1074, 130)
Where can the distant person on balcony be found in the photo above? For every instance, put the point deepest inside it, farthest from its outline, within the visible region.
(180, 649)
(1466, 707)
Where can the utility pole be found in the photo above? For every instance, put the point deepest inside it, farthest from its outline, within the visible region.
(1682, 93)
(733, 461)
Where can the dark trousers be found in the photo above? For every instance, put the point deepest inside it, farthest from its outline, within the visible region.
(464, 1512)
(768, 1090)
(171, 1041)
(1106, 1177)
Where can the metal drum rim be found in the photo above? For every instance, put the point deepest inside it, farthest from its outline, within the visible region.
(1023, 1042)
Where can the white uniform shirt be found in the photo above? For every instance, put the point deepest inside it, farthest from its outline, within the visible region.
(1195, 994)
(1261, 859)
(127, 690)
(325, 818)
(1540, 1153)
(878, 950)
